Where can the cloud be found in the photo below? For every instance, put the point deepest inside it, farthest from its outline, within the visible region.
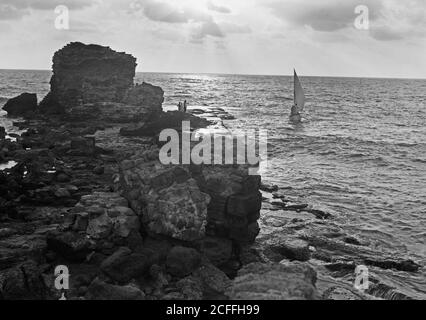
(327, 15)
(221, 9)
(16, 9)
(164, 12)
(390, 20)
(208, 28)
(48, 4)
(170, 12)
(400, 21)
(228, 27)
(8, 12)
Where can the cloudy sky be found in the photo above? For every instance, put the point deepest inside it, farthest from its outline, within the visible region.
(226, 36)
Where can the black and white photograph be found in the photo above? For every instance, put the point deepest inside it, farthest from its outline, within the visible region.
(207, 156)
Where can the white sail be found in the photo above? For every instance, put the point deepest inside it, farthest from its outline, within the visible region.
(299, 95)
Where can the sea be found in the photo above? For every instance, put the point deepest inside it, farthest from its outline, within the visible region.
(359, 154)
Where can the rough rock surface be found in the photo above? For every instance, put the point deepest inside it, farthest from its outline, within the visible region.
(165, 120)
(21, 105)
(258, 281)
(145, 95)
(87, 74)
(168, 200)
(172, 200)
(124, 265)
(23, 282)
(107, 215)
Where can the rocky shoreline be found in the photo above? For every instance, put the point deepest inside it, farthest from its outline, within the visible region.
(88, 192)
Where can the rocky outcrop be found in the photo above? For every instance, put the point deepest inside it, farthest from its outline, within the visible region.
(105, 215)
(145, 95)
(256, 281)
(214, 207)
(21, 105)
(165, 120)
(166, 198)
(88, 74)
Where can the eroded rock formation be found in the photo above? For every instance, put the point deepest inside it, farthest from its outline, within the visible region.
(88, 74)
(216, 207)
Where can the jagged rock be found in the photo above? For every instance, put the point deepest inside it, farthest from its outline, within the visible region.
(206, 282)
(182, 261)
(236, 201)
(256, 281)
(16, 248)
(290, 248)
(214, 282)
(178, 211)
(123, 265)
(188, 288)
(99, 290)
(23, 282)
(21, 105)
(70, 245)
(336, 293)
(172, 199)
(86, 74)
(108, 216)
(169, 202)
(166, 120)
(145, 95)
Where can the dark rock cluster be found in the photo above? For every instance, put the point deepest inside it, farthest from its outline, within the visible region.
(24, 104)
(86, 74)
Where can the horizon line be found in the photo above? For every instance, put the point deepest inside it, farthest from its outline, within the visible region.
(251, 74)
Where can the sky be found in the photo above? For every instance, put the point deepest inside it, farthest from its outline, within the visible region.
(271, 37)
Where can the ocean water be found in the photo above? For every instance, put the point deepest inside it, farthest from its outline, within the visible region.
(359, 154)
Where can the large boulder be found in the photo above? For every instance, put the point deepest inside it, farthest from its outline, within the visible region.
(21, 105)
(166, 197)
(124, 265)
(190, 202)
(88, 74)
(257, 281)
(145, 95)
(236, 201)
(107, 215)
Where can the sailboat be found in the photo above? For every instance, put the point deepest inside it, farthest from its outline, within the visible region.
(299, 100)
